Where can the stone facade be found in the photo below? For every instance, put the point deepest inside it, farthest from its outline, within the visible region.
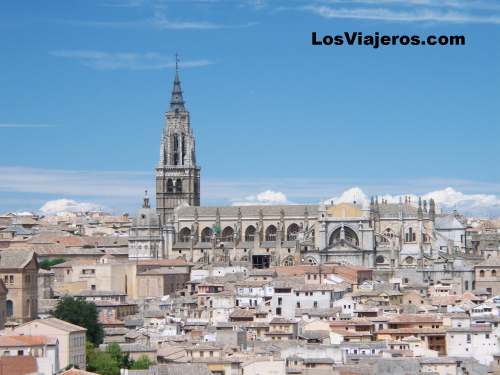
(383, 235)
(177, 174)
(19, 272)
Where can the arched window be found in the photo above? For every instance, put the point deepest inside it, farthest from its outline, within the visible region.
(379, 259)
(178, 186)
(10, 308)
(170, 186)
(185, 234)
(481, 273)
(410, 235)
(271, 233)
(206, 234)
(183, 150)
(227, 234)
(250, 233)
(292, 232)
(349, 236)
(493, 273)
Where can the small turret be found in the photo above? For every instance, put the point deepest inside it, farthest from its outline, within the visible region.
(145, 203)
(432, 209)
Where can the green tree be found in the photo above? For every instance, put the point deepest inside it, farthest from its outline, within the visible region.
(81, 313)
(122, 359)
(103, 363)
(47, 264)
(142, 363)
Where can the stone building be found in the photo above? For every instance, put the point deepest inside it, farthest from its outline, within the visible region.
(177, 174)
(3, 304)
(19, 272)
(145, 240)
(383, 235)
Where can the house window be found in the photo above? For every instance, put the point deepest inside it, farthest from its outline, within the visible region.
(280, 301)
(11, 279)
(481, 273)
(494, 273)
(278, 311)
(298, 305)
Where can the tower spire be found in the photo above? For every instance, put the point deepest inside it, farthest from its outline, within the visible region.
(145, 200)
(177, 101)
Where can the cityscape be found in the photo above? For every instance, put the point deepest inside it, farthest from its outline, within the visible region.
(182, 271)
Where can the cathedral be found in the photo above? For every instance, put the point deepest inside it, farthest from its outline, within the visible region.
(383, 235)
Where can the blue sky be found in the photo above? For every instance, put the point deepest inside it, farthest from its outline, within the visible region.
(85, 84)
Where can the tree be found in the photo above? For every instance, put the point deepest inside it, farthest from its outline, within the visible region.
(142, 363)
(103, 363)
(47, 264)
(81, 313)
(115, 351)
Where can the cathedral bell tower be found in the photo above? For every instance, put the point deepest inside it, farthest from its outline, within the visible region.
(177, 174)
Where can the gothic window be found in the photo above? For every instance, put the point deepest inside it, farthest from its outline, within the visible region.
(250, 233)
(271, 233)
(380, 259)
(206, 234)
(176, 149)
(183, 149)
(350, 236)
(185, 234)
(178, 186)
(386, 235)
(410, 235)
(170, 186)
(289, 261)
(292, 232)
(227, 234)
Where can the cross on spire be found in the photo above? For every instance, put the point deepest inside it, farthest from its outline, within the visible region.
(177, 101)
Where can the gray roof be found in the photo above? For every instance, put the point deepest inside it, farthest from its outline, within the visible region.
(98, 293)
(387, 210)
(248, 211)
(180, 369)
(490, 262)
(448, 222)
(15, 258)
(18, 229)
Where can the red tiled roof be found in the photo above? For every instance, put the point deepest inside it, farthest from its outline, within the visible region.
(18, 365)
(22, 340)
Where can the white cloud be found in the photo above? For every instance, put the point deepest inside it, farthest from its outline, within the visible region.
(109, 184)
(447, 199)
(23, 188)
(268, 197)
(458, 4)
(400, 15)
(126, 60)
(351, 195)
(61, 206)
